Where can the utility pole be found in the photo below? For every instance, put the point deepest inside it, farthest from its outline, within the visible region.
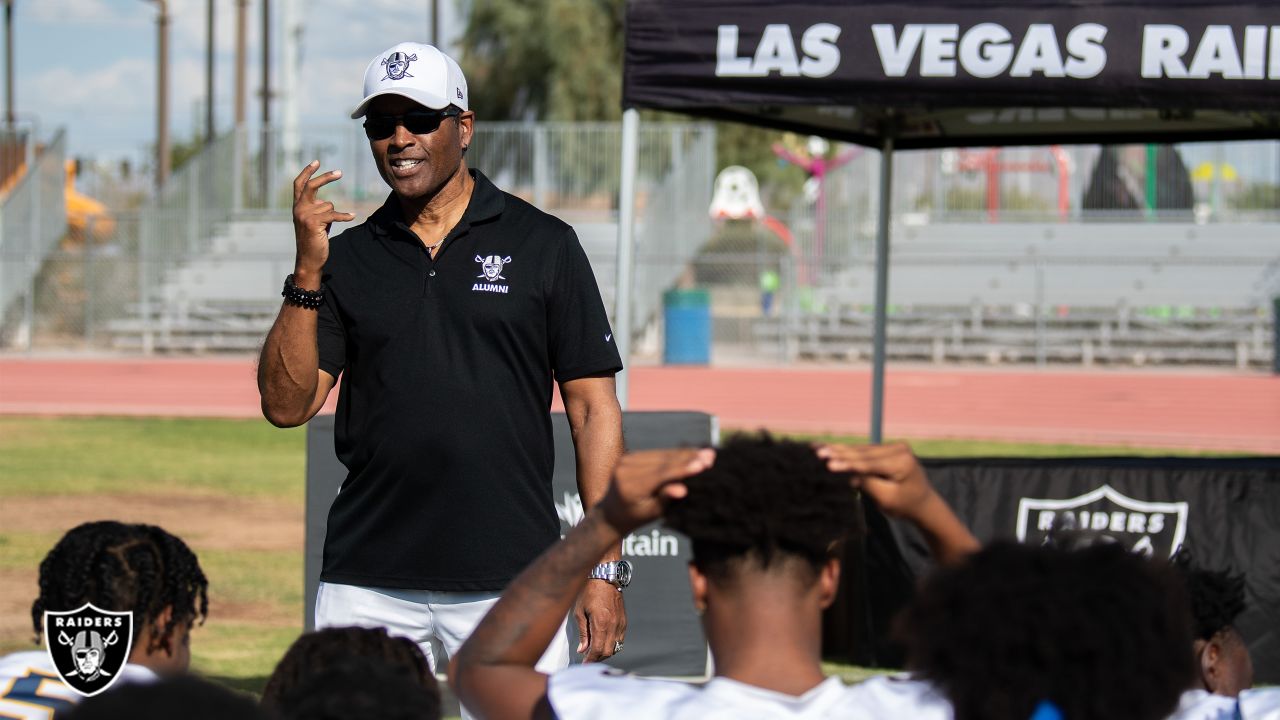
(241, 137)
(10, 118)
(209, 129)
(162, 93)
(435, 22)
(290, 60)
(266, 151)
(242, 53)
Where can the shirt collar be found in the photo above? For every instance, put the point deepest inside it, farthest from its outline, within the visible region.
(487, 202)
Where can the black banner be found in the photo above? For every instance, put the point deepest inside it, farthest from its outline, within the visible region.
(955, 73)
(1227, 511)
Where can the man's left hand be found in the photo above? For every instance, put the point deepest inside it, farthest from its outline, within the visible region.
(602, 621)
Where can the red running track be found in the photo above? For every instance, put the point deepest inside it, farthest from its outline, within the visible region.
(1172, 409)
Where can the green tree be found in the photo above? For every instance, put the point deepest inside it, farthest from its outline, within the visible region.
(561, 60)
(545, 59)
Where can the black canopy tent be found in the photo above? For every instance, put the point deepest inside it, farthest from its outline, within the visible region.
(949, 74)
(929, 73)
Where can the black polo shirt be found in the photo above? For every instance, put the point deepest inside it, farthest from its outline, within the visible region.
(446, 367)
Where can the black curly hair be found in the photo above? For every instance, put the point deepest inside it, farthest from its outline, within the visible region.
(118, 566)
(1100, 632)
(360, 688)
(1217, 596)
(314, 652)
(764, 498)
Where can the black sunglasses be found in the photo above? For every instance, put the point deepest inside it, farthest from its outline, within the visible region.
(417, 122)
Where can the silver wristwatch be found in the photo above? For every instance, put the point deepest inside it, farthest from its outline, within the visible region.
(617, 574)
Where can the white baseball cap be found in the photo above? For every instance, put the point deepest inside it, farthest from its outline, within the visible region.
(419, 72)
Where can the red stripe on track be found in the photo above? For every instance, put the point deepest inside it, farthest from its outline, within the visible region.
(1204, 410)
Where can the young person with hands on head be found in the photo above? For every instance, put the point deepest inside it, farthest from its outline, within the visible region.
(766, 518)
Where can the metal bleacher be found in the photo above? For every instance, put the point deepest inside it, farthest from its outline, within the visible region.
(1107, 293)
(218, 290)
(224, 300)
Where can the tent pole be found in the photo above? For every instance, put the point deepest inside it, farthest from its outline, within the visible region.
(882, 289)
(626, 248)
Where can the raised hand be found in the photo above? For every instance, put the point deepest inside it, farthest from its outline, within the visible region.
(643, 482)
(312, 218)
(890, 474)
(894, 478)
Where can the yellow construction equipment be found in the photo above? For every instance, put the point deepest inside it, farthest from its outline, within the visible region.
(87, 219)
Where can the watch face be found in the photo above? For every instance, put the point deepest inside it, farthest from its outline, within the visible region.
(623, 570)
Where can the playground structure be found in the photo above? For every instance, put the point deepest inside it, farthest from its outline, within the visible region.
(990, 163)
(88, 220)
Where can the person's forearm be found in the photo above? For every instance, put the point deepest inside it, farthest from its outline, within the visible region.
(597, 441)
(290, 361)
(948, 538)
(518, 628)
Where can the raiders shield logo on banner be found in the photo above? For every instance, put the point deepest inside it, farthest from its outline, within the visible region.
(88, 646)
(1151, 528)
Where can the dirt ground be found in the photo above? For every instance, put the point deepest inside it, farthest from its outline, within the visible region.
(205, 523)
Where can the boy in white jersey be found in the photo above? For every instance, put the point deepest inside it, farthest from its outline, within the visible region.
(1226, 668)
(767, 519)
(115, 567)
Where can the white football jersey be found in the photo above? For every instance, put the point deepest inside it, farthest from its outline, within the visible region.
(1260, 704)
(899, 696)
(1203, 705)
(30, 688)
(592, 691)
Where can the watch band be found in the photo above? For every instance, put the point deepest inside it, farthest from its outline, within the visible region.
(617, 573)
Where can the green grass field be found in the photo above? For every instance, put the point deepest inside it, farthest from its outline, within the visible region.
(234, 490)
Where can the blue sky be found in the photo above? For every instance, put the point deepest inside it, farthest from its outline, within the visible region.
(89, 65)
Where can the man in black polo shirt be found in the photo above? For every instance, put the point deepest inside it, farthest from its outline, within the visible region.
(448, 315)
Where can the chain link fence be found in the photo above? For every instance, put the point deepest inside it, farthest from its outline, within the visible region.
(1082, 254)
(198, 266)
(1123, 255)
(33, 220)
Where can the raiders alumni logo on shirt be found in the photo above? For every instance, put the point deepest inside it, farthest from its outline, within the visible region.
(1105, 515)
(491, 270)
(88, 646)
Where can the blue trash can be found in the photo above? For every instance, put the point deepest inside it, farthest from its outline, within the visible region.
(1275, 335)
(687, 314)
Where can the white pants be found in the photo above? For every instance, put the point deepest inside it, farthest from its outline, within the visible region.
(438, 622)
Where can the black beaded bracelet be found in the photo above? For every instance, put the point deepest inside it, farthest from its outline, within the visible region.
(306, 299)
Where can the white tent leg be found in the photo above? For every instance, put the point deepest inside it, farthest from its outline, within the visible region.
(626, 247)
(882, 290)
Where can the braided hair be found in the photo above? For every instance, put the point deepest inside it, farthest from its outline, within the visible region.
(765, 500)
(123, 567)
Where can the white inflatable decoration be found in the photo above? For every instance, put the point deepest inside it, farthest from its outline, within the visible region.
(736, 195)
